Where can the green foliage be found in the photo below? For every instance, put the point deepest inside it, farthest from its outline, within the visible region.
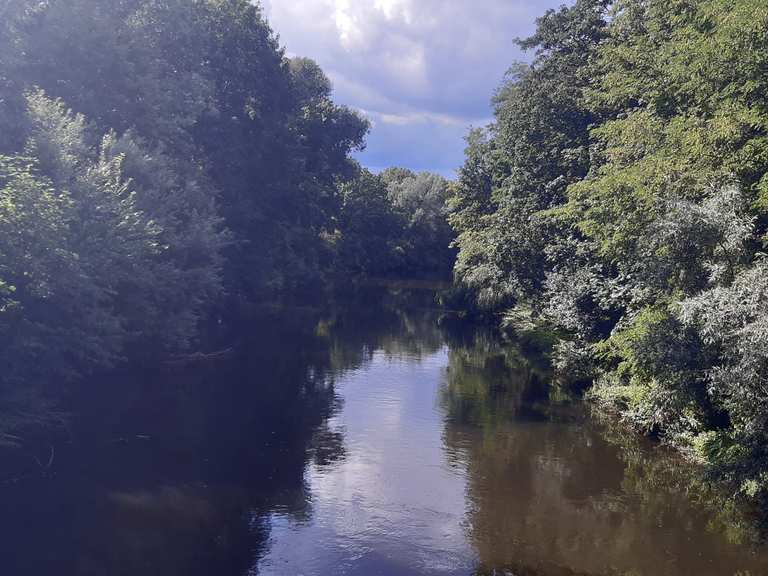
(394, 223)
(93, 260)
(522, 165)
(368, 227)
(621, 194)
(156, 153)
(207, 83)
(732, 322)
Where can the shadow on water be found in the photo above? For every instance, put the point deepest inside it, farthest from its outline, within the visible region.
(190, 468)
(173, 469)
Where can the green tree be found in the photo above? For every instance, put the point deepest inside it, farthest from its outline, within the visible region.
(369, 229)
(104, 248)
(421, 201)
(395, 224)
(620, 196)
(208, 84)
(537, 146)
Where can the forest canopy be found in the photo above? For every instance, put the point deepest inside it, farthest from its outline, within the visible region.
(161, 161)
(621, 196)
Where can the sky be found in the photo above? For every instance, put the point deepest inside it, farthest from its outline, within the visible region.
(422, 71)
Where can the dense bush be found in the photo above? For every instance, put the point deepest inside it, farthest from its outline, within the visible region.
(155, 154)
(620, 194)
(160, 160)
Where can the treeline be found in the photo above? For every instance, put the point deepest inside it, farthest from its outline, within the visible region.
(395, 224)
(159, 158)
(621, 196)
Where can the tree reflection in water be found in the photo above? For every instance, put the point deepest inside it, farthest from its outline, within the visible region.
(174, 469)
(187, 469)
(552, 492)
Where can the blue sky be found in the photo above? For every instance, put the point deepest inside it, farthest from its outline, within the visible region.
(422, 71)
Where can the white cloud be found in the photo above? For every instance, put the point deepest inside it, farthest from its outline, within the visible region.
(395, 8)
(422, 118)
(414, 62)
(348, 25)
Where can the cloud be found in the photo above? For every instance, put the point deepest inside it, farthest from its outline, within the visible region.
(427, 68)
(420, 118)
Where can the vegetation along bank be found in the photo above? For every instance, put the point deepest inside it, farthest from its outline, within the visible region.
(162, 160)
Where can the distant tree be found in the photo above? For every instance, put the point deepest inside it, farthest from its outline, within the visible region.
(395, 224)
(369, 228)
(421, 199)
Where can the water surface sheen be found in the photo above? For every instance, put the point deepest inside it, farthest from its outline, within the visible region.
(380, 436)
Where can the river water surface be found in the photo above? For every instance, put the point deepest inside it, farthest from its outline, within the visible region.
(375, 437)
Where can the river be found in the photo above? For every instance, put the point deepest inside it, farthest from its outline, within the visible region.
(370, 434)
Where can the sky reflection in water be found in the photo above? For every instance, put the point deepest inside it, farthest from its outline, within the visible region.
(377, 436)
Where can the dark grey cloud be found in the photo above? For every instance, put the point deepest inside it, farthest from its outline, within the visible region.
(423, 71)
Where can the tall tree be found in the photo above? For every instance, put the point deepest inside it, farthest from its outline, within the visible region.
(537, 146)
(620, 195)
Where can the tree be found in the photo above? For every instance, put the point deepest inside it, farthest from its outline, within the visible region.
(105, 248)
(420, 200)
(537, 146)
(395, 223)
(207, 83)
(369, 229)
(620, 197)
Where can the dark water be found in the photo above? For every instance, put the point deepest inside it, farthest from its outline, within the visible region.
(374, 437)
